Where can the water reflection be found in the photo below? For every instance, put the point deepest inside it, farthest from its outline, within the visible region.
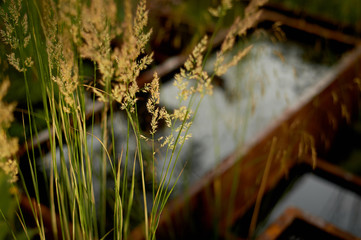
(322, 199)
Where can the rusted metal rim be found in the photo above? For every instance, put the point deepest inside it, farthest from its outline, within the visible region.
(292, 215)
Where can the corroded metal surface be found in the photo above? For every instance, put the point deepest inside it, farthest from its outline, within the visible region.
(280, 226)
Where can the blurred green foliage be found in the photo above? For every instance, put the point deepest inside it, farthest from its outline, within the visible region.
(9, 225)
(345, 11)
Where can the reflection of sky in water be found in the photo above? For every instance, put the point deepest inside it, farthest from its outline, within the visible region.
(322, 199)
(271, 78)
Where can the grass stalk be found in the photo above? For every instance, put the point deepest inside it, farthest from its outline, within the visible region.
(262, 188)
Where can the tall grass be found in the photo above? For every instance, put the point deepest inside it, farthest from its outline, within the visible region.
(53, 41)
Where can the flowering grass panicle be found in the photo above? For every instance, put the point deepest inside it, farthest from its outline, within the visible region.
(96, 33)
(50, 20)
(68, 14)
(181, 114)
(193, 70)
(131, 58)
(156, 112)
(67, 78)
(221, 9)
(191, 80)
(16, 24)
(8, 146)
(238, 28)
(11, 21)
(10, 168)
(61, 59)
(221, 68)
